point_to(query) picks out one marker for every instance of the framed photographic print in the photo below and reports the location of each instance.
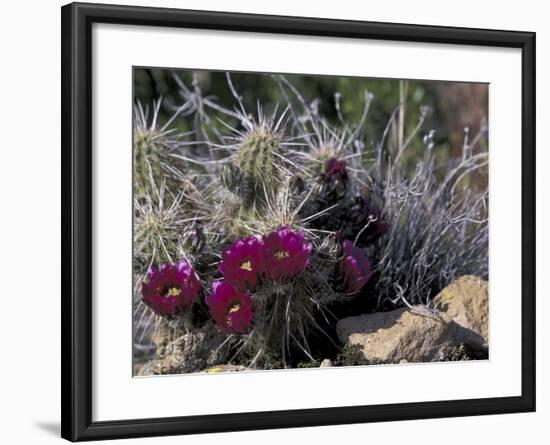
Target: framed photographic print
(290, 221)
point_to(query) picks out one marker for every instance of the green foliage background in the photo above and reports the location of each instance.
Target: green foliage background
(454, 104)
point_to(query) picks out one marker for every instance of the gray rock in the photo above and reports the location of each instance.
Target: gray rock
(190, 352)
(326, 363)
(195, 350)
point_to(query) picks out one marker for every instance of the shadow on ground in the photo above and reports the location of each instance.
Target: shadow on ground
(53, 428)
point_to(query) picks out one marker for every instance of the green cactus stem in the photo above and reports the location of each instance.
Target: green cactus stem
(147, 167)
(254, 170)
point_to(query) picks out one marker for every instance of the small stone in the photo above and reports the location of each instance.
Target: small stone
(224, 368)
(326, 363)
(162, 335)
(152, 367)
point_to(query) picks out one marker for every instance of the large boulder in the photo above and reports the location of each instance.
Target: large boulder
(418, 334)
(389, 337)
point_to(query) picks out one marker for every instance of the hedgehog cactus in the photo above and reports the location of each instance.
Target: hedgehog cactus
(276, 271)
(255, 169)
(147, 169)
(154, 146)
(282, 222)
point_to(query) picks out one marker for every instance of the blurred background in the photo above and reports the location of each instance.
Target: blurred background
(454, 105)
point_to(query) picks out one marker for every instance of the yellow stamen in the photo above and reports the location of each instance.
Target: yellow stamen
(173, 292)
(280, 254)
(234, 308)
(247, 265)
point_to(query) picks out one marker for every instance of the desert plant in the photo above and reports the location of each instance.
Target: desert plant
(284, 214)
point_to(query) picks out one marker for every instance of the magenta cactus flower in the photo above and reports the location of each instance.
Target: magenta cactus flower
(286, 253)
(354, 267)
(230, 308)
(336, 169)
(333, 181)
(170, 289)
(243, 263)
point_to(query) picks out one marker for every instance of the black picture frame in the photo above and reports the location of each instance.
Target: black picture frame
(76, 247)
